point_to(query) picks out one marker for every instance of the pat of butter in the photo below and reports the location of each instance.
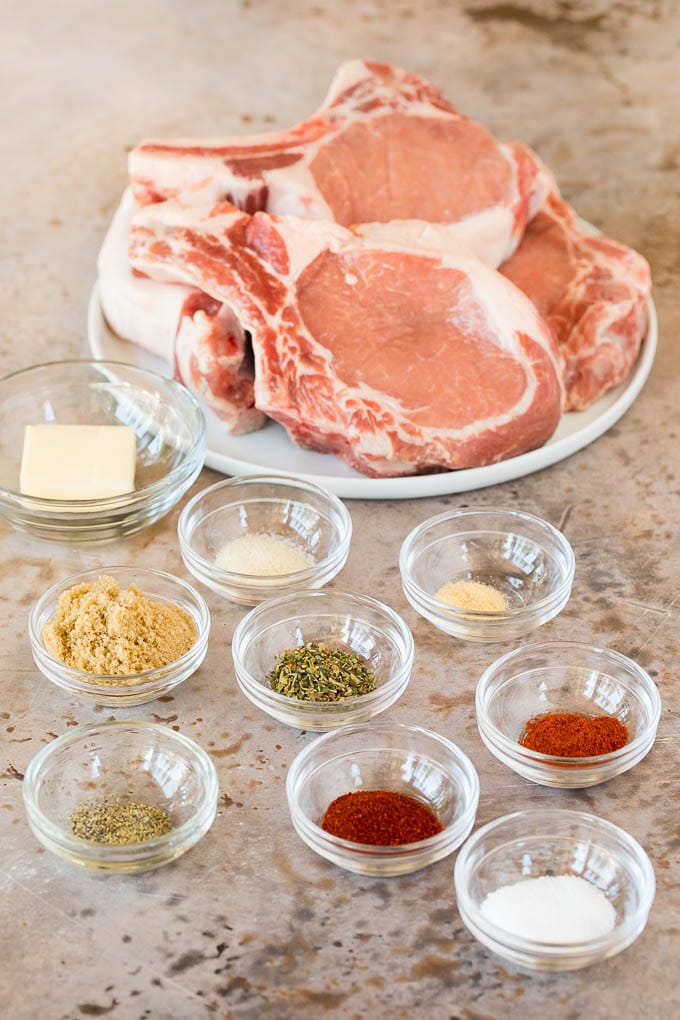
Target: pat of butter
(77, 461)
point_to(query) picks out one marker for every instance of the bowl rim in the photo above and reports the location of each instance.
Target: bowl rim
(66, 840)
(303, 705)
(532, 816)
(516, 750)
(237, 580)
(421, 846)
(124, 501)
(518, 613)
(113, 684)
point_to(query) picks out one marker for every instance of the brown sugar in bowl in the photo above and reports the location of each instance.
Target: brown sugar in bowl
(118, 688)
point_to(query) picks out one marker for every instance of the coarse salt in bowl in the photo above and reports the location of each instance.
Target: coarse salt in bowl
(402, 759)
(353, 623)
(554, 842)
(513, 555)
(137, 688)
(259, 536)
(566, 676)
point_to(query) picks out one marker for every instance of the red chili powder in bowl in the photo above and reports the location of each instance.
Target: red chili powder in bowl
(380, 817)
(570, 735)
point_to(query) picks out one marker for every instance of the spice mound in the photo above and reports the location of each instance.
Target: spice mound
(473, 595)
(102, 630)
(117, 822)
(380, 817)
(314, 672)
(570, 735)
(262, 556)
(552, 908)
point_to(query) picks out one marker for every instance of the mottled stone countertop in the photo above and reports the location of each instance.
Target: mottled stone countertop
(251, 924)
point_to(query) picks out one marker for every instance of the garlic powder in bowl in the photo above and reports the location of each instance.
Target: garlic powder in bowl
(262, 555)
(263, 536)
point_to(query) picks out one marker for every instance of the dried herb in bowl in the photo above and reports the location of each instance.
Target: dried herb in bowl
(314, 672)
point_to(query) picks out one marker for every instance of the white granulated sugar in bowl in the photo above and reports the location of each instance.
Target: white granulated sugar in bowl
(262, 556)
(561, 909)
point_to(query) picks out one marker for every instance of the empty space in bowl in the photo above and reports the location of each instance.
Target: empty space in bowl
(140, 768)
(516, 566)
(306, 528)
(363, 637)
(564, 689)
(382, 768)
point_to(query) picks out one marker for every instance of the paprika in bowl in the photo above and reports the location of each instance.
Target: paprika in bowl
(566, 714)
(413, 785)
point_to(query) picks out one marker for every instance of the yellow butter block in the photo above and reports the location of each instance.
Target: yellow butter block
(77, 461)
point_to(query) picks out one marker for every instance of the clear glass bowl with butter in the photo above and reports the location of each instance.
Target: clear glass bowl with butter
(151, 437)
(129, 688)
(487, 574)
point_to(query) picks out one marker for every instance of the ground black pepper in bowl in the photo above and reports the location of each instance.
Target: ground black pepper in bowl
(117, 822)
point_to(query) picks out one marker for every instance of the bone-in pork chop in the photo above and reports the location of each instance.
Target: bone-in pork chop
(193, 333)
(591, 290)
(385, 145)
(398, 359)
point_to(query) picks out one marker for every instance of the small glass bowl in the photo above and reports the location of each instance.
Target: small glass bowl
(529, 844)
(310, 517)
(168, 423)
(565, 676)
(136, 761)
(383, 756)
(355, 623)
(137, 688)
(528, 560)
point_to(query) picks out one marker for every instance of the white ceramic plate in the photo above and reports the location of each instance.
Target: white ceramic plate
(270, 449)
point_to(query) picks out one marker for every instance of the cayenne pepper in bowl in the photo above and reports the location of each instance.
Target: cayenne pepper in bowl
(380, 818)
(572, 735)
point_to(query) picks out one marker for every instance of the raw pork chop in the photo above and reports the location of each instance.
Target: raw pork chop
(385, 145)
(195, 334)
(395, 358)
(591, 290)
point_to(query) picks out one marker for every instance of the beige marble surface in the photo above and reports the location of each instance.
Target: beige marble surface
(251, 924)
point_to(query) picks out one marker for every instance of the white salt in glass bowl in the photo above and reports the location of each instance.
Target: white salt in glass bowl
(138, 688)
(135, 761)
(383, 756)
(354, 623)
(170, 435)
(523, 557)
(529, 844)
(314, 520)
(565, 676)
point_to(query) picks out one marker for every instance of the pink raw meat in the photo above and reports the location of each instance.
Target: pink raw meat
(591, 290)
(192, 332)
(398, 359)
(384, 146)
